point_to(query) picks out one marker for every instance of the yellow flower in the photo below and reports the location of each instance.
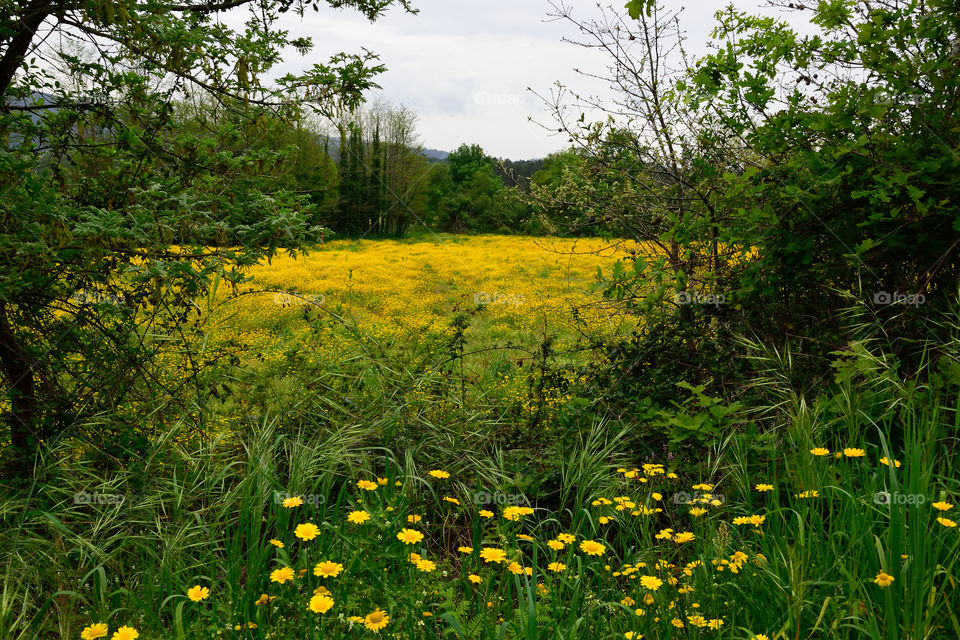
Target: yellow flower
(883, 579)
(648, 599)
(276, 543)
(677, 622)
(409, 536)
(703, 487)
(321, 591)
(628, 601)
(942, 506)
(281, 575)
(426, 566)
(453, 500)
(465, 549)
(327, 569)
(764, 487)
(94, 631)
(485, 513)
(557, 567)
(665, 534)
(556, 545)
(376, 621)
(415, 558)
(198, 593)
(686, 536)
(474, 578)
(946, 522)
(427, 614)
(515, 568)
(437, 473)
(306, 531)
(820, 451)
(715, 624)
(492, 554)
(413, 518)
(367, 485)
(125, 633)
(321, 603)
(355, 619)
(381, 481)
(812, 493)
(592, 548)
(603, 520)
(264, 599)
(761, 636)
(523, 536)
(358, 517)
(566, 538)
(514, 512)
(650, 582)
(697, 511)
(290, 503)
(896, 463)
(854, 453)
(630, 635)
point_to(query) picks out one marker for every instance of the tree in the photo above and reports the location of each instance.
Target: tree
(114, 220)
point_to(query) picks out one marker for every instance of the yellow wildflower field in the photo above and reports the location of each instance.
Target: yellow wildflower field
(410, 289)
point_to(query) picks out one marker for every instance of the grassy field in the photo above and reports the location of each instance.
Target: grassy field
(365, 476)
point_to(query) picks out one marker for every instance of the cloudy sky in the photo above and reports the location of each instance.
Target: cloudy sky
(464, 65)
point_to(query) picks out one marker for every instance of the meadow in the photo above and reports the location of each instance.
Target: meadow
(401, 456)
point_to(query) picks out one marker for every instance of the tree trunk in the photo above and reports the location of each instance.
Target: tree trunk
(19, 43)
(18, 371)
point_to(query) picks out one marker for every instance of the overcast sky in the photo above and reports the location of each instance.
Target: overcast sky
(463, 66)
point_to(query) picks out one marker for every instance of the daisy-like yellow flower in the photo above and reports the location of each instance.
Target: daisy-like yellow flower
(414, 558)
(523, 536)
(514, 512)
(764, 487)
(376, 621)
(592, 548)
(409, 536)
(761, 636)
(942, 506)
(854, 453)
(321, 591)
(557, 567)
(685, 536)
(465, 549)
(358, 517)
(885, 461)
(820, 451)
(665, 534)
(382, 481)
(715, 624)
(198, 593)
(427, 614)
(946, 522)
(697, 511)
(276, 543)
(320, 603)
(703, 487)
(437, 473)
(630, 635)
(281, 575)
(566, 538)
(264, 599)
(492, 554)
(426, 566)
(515, 568)
(306, 531)
(452, 500)
(812, 493)
(414, 518)
(883, 579)
(603, 520)
(290, 503)
(367, 485)
(556, 545)
(327, 569)
(94, 631)
(125, 633)
(474, 578)
(651, 582)
(485, 513)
